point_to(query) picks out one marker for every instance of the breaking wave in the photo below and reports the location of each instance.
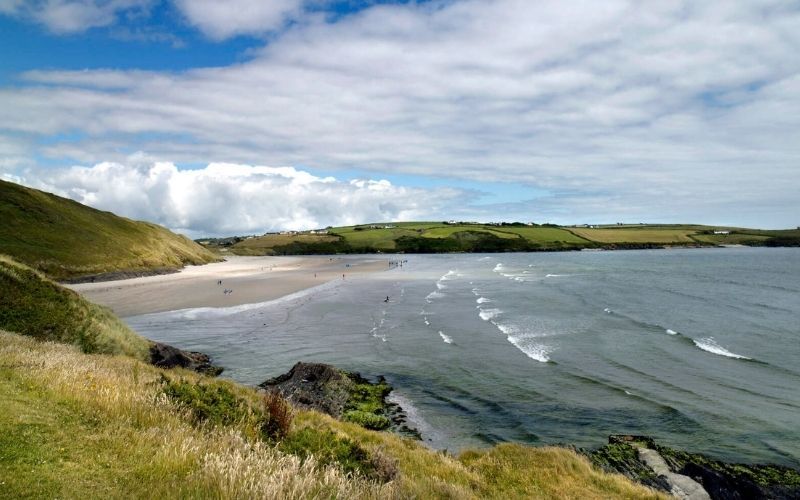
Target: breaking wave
(433, 295)
(446, 338)
(708, 344)
(487, 314)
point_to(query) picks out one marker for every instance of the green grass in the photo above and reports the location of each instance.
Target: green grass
(381, 239)
(33, 305)
(264, 244)
(448, 231)
(636, 235)
(546, 235)
(65, 239)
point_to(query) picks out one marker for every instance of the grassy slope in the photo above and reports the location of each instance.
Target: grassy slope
(74, 425)
(382, 239)
(262, 245)
(367, 239)
(33, 305)
(65, 239)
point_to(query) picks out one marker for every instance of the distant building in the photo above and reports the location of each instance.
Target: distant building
(722, 232)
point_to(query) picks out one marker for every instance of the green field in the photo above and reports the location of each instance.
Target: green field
(264, 244)
(440, 237)
(637, 235)
(65, 239)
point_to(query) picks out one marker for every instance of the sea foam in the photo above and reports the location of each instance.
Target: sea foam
(538, 352)
(487, 314)
(446, 338)
(708, 344)
(433, 295)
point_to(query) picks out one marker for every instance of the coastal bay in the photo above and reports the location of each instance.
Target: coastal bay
(694, 347)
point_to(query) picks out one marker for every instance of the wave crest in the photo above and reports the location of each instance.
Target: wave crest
(708, 344)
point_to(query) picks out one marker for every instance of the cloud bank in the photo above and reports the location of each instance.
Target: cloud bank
(623, 107)
(232, 199)
(73, 16)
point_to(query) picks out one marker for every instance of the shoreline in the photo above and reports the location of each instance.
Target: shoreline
(250, 279)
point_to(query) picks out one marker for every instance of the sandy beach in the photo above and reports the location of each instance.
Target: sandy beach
(251, 279)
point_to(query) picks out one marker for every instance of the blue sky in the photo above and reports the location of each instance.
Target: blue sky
(328, 112)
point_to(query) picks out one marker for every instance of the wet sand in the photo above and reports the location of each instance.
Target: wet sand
(252, 279)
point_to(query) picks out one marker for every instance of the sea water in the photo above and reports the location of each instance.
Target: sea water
(699, 348)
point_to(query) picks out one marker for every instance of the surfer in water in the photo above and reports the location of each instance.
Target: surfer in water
(387, 299)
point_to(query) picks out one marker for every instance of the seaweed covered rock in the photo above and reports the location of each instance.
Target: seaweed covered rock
(314, 386)
(343, 395)
(721, 480)
(167, 356)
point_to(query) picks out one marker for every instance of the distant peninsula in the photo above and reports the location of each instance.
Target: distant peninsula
(474, 237)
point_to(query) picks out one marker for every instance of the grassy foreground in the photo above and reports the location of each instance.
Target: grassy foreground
(76, 425)
(441, 237)
(65, 239)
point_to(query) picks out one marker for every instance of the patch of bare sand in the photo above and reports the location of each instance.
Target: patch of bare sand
(251, 279)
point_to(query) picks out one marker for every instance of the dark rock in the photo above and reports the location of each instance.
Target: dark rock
(722, 481)
(620, 456)
(729, 481)
(166, 356)
(313, 386)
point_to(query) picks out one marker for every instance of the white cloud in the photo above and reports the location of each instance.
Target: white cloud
(647, 105)
(71, 16)
(228, 199)
(223, 19)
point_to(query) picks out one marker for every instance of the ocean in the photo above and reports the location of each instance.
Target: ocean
(699, 348)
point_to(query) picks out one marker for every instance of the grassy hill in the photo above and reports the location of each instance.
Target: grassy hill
(441, 237)
(65, 239)
(33, 305)
(76, 425)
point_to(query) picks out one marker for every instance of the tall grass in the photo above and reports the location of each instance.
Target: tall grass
(126, 438)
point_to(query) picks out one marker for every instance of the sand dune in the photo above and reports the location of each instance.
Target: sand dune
(252, 279)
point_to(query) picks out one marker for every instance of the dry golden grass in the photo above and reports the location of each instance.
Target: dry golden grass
(663, 236)
(116, 435)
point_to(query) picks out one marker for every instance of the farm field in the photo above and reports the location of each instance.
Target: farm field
(443, 237)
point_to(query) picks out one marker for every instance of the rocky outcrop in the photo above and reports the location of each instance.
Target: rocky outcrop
(343, 395)
(680, 486)
(167, 356)
(640, 458)
(314, 386)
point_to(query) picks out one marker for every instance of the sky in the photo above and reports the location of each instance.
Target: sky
(247, 116)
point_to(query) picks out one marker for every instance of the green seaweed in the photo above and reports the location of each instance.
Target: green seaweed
(366, 404)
